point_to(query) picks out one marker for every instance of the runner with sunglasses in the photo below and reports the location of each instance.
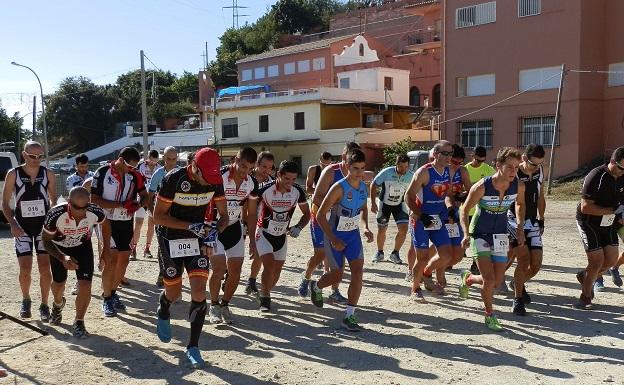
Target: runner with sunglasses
(598, 216)
(67, 238)
(34, 187)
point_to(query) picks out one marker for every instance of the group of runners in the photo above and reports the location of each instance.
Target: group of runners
(209, 217)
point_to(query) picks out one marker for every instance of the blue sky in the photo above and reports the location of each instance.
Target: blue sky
(101, 39)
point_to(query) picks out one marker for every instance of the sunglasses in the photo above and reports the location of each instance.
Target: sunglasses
(539, 164)
(129, 165)
(79, 207)
(618, 166)
(445, 153)
(34, 156)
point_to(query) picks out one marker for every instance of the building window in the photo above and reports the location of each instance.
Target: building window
(318, 64)
(475, 133)
(476, 85)
(259, 73)
(263, 123)
(289, 68)
(361, 49)
(538, 130)
(303, 66)
(229, 128)
(272, 71)
(435, 94)
(616, 74)
(539, 79)
(461, 87)
(388, 83)
(345, 83)
(475, 15)
(529, 7)
(246, 75)
(414, 96)
(299, 121)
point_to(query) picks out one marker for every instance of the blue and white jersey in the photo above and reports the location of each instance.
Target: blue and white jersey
(157, 178)
(345, 215)
(491, 214)
(76, 180)
(393, 185)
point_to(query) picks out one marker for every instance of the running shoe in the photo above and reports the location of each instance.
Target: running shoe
(518, 307)
(379, 256)
(526, 298)
(418, 296)
(226, 315)
(117, 302)
(147, 254)
(57, 313)
(25, 309)
(580, 276)
(316, 296)
(44, 312)
(409, 277)
(125, 282)
(599, 284)
(214, 314)
(159, 281)
(584, 303)
(304, 285)
(336, 297)
(464, 289)
(133, 254)
(75, 289)
(350, 324)
(395, 258)
(163, 328)
(429, 283)
(502, 289)
(265, 304)
(492, 323)
(194, 356)
(251, 287)
(108, 308)
(79, 330)
(615, 276)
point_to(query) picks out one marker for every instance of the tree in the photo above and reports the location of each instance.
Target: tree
(186, 87)
(9, 126)
(401, 147)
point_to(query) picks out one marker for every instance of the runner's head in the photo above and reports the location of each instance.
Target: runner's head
(459, 155)
(507, 162)
(442, 152)
(325, 159)
(347, 148)
(478, 156)
(33, 153)
(79, 200)
(287, 173)
(533, 155)
(152, 157)
(206, 166)
(129, 158)
(82, 164)
(265, 164)
(616, 164)
(356, 162)
(245, 160)
(402, 164)
(170, 156)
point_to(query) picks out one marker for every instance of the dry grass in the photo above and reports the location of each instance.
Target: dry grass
(567, 191)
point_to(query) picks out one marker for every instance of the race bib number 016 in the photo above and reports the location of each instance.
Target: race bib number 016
(501, 244)
(277, 228)
(179, 248)
(348, 224)
(31, 209)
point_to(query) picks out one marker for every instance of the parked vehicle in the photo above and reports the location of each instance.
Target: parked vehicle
(7, 162)
(418, 158)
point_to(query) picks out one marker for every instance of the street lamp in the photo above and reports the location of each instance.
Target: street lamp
(45, 127)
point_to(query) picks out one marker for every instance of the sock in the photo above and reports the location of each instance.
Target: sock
(58, 305)
(252, 281)
(380, 251)
(316, 288)
(395, 251)
(113, 293)
(197, 316)
(489, 314)
(224, 302)
(350, 310)
(163, 309)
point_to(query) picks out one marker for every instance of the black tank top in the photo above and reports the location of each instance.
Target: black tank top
(317, 175)
(30, 199)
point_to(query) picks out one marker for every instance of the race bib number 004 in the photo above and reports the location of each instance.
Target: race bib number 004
(277, 228)
(348, 224)
(31, 209)
(501, 244)
(179, 248)
(436, 223)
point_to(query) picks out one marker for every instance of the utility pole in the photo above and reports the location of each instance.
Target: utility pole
(34, 115)
(144, 108)
(235, 15)
(551, 163)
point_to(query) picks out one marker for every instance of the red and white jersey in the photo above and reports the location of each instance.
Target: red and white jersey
(146, 171)
(236, 198)
(276, 208)
(66, 230)
(109, 185)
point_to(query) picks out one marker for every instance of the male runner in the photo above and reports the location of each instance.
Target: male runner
(314, 172)
(34, 187)
(82, 172)
(346, 203)
(147, 169)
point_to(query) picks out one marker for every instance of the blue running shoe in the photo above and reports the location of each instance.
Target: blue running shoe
(304, 285)
(615, 276)
(109, 308)
(163, 329)
(117, 302)
(194, 357)
(336, 297)
(599, 284)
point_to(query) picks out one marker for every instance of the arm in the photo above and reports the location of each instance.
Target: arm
(224, 219)
(520, 211)
(367, 233)
(373, 197)
(420, 179)
(322, 186)
(162, 217)
(105, 203)
(250, 215)
(9, 214)
(333, 197)
(476, 193)
(305, 218)
(588, 207)
(51, 187)
(310, 180)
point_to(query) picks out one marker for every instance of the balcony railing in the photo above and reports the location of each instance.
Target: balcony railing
(423, 37)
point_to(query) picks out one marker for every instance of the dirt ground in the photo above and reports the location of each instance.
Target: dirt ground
(444, 341)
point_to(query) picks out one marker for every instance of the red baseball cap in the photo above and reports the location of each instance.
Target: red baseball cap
(209, 164)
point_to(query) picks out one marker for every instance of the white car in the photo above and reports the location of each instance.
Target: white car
(7, 162)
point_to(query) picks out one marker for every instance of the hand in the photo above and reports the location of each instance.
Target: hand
(70, 264)
(540, 223)
(453, 214)
(619, 210)
(426, 219)
(461, 197)
(369, 236)
(465, 242)
(210, 239)
(374, 207)
(208, 251)
(294, 231)
(131, 206)
(17, 231)
(520, 235)
(200, 229)
(253, 249)
(338, 244)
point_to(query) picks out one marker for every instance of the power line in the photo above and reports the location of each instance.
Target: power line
(149, 60)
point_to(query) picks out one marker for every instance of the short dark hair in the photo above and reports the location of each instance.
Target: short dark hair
(507, 152)
(534, 150)
(288, 166)
(403, 158)
(130, 154)
(247, 154)
(480, 151)
(154, 154)
(81, 159)
(458, 152)
(355, 156)
(618, 154)
(268, 155)
(350, 146)
(326, 155)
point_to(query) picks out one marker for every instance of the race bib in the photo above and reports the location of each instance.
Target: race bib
(453, 230)
(395, 193)
(501, 244)
(436, 223)
(277, 228)
(120, 214)
(188, 247)
(348, 224)
(234, 211)
(607, 220)
(31, 209)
